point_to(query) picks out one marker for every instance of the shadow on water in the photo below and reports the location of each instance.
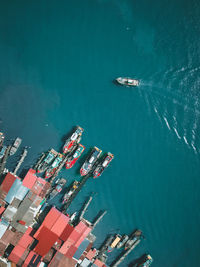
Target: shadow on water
(137, 261)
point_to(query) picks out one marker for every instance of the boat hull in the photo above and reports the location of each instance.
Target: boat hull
(127, 81)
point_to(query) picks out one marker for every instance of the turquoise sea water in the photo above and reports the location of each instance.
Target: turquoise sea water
(58, 60)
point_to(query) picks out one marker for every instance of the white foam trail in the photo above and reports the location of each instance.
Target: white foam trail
(167, 123)
(176, 132)
(185, 140)
(194, 148)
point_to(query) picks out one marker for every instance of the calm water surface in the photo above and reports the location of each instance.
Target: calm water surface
(58, 60)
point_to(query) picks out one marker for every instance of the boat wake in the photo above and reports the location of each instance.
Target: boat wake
(179, 113)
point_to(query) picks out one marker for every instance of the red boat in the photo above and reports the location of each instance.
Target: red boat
(72, 140)
(103, 165)
(76, 155)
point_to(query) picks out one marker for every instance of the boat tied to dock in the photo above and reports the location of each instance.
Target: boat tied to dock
(47, 160)
(102, 165)
(127, 81)
(75, 156)
(137, 235)
(146, 262)
(2, 151)
(90, 161)
(74, 139)
(15, 146)
(2, 137)
(72, 189)
(52, 169)
(123, 240)
(57, 188)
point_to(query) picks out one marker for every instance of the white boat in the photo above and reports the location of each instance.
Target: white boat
(127, 81)
(15, 146)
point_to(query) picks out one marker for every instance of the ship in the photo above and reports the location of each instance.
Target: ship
(127, 81)
(114, 242)
(74, 139)
(15, 146)
(57, 188)
(47, 160)
(2, 152)
(146, 262)
(1, 138)
(90, 161)
(122, 241)
(103, 165)
(72, 189)
(75, 156)
(137, 235)
(52, 169)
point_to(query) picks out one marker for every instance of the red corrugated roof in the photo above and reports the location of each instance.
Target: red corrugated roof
(71, 251)
(91, 253)
(8, 182)
(25, 241)
(80, 227)
(42, 181)
(29, 258)
(29, 179)
(37, 187)
(46, 240)
(65, 247)
(66, 233)
(49, 220)
(60, 224)
(1, 210)
(75, 238)
(16, 254)
(99, 263)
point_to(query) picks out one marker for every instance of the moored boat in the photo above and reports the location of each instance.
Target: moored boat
(114, 242)
(1, 138)
(47, 160)
(57, 188)
(2, 152)
(103, 165)
(75, 156)
(90, 161)
(137, 235)
(146, 262)
(127, 81)
(72, 189)
(74, 139)
(15, 146)
(52, 169)
(123, 241)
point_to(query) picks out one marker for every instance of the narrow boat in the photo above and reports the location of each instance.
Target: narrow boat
(90, 161)
(57, 188)
(52, 169)
(127, 81)
(15, 146)
(75, 138)
(72, 189)
(75, 156)
(146, 262)
(123, 241)
(137, 235)
(1, 138)
(47, 160)
(103, 165)
(2, 152)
